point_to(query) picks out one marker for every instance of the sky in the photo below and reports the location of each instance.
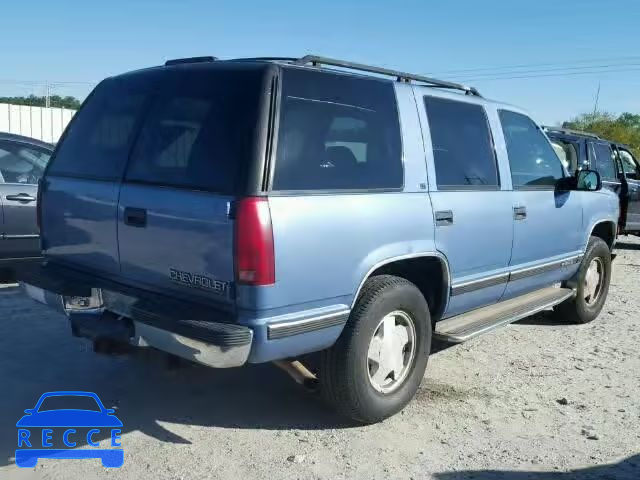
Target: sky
(569, 46)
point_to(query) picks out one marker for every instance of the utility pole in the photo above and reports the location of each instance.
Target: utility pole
(47, 96)
(595, 106)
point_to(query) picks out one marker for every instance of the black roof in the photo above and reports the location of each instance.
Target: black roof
(12, 137)
(570, 133)
(339, 66)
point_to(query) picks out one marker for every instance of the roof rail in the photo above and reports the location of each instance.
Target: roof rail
(178, 61)
(400, 76)
(571, 132)
(264, 59)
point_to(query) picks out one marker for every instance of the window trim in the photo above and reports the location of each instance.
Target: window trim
(272, 155)
(190, 188)
(492, 145)
(93, 178)
(547, 188)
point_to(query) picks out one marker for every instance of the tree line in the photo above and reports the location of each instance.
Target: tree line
(624, 128)
(37, 101)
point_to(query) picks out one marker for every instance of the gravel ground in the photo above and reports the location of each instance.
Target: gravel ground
(535, 400)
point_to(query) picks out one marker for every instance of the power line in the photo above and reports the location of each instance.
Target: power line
(530, 65)
(559, 74)
(544, 70)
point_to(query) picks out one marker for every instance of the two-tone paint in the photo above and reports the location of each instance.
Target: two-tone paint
(327, 244)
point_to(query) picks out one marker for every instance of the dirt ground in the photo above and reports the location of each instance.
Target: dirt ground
(538, 399)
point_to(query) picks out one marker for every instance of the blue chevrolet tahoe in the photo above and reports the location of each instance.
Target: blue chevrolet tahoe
(254, 210)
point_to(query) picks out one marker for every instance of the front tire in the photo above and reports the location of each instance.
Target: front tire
(593, 279)
(377, 364)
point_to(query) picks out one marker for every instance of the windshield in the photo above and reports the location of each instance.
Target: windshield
(69, 402)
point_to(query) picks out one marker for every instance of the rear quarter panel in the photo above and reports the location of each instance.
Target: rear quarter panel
(79, 222)
(600, 206)
(325, 244)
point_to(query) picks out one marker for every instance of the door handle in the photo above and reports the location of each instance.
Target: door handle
(135, 217)
(21, 197)
(444, 218)
(519, 213)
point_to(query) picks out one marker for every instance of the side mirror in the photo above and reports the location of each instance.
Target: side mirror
(29, 411)
(588, 180)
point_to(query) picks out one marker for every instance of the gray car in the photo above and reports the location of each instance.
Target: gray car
(22, 162)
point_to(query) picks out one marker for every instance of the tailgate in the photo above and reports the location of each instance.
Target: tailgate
(191, 158)
(183, 244)
(148, 170)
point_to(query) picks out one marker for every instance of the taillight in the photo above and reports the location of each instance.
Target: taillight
(254, 257)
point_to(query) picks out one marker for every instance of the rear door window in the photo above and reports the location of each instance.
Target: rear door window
(199, 132)
(604, 161)
(98, 140)
(533, 162)
(463, 150)
(337, 132)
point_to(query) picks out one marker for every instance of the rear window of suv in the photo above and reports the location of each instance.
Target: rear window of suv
(98, 139)
(192, 127)
(199, 132)
(337, 132)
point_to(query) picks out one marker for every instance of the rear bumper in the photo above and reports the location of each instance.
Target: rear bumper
(226, 339)
(217, 345)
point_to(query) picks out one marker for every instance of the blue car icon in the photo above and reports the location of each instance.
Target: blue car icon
(100, 418)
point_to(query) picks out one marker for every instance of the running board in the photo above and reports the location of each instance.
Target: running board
(476, 322)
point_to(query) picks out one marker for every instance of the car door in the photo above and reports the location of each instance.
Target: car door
(21, 166)
(181, 181)
(602, 159)
(470, 201)
(79, 194)
(547, 229)
(631, 169)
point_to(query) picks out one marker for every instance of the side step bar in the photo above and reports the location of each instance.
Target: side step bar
(476, 322)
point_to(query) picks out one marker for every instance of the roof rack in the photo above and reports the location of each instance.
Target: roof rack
(569, 131)
(179, 61)
(264, 59)
(400, 76)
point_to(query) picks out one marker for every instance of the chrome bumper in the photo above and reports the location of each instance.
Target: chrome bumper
(231, 349)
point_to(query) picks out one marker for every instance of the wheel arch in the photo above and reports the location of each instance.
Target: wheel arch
(421, 269)
(604, 229)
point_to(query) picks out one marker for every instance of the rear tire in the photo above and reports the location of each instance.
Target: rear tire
(593, 279)
(371, 373)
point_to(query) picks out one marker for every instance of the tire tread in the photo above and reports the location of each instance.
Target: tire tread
(334, 363)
